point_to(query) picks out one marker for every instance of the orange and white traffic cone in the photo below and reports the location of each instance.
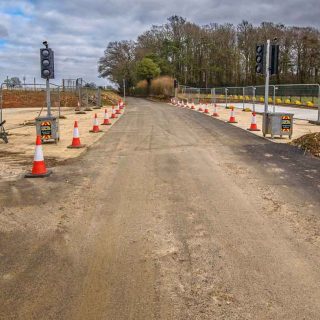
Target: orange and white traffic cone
(192, 107)
(95, 128)
(113, 114)
(39, 169)
(232, 118)
(106, 121)
(206, 110)
(253, 126)
(200, 109)
(215, 113)
(76, 144)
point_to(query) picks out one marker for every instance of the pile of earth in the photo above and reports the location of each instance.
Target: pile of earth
(309, 142)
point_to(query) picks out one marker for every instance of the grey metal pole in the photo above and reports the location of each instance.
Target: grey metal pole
(266, 92)
(243, 98)
(48, 98)
(87, 101)
(274, 99)
(226, 93)
(1, 102)
(318, 104)
(124, 90)
(254, 99)
(99, 98)
(59, 101)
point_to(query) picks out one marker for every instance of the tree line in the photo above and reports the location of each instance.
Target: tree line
(212, 55)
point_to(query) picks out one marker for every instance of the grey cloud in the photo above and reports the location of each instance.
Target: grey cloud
(3, 32)
(79, 30)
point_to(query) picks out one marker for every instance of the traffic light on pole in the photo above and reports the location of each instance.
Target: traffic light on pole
(47, 63)
(260, 58)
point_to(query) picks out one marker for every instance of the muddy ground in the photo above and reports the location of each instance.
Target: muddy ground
(171, 215)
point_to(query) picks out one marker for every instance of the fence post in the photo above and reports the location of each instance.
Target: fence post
(274, 99)
(59, 103)
(243, 98)
(226, 94)
(318, 104)
(253, 99)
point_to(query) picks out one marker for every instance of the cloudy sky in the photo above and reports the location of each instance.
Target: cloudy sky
(79, 30)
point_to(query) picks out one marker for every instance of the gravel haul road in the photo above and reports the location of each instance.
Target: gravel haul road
(170, 215)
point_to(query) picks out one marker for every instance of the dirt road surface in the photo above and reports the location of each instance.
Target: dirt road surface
(170, 215)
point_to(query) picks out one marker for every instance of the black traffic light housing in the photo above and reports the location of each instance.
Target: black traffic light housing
(260, 59)
(274, 59)
(47, 62)
(175, 83)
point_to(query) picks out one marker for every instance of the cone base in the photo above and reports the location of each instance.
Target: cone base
(42, 175)
(76, 147)
(106, 124)
(96, 108)
(215, 115)
(80, 112)
(232, 121)
(253, 129)
(206, 111)
(95, 131)
(87, 109)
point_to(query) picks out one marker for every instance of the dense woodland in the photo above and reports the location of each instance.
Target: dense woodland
(212, 55)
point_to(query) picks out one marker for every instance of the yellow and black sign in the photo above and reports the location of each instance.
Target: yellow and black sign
(46, 130)
(286, 123)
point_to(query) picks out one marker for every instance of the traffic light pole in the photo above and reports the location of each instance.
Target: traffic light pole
(266, 92)
(48, 98)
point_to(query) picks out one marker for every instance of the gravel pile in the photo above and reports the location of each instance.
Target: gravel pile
(309, 142)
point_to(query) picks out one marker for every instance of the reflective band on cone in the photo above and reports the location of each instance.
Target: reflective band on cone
(39, 169)
(232, 117)
(76, 143)
(113, 114)
(95, 128)
(253, 126)
(106, 120)
(215, 113)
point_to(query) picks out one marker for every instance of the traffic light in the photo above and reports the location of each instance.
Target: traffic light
(47, 63)
(274, 61)
(175, 83)
(260, 58)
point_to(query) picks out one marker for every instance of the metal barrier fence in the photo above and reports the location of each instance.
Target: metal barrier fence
(284, 95)
(73, 93)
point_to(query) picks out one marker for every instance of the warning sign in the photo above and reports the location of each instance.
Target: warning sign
(46, 130)
(286, 123)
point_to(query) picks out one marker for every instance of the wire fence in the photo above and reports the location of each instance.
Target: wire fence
(73, 93)
(285, 95)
